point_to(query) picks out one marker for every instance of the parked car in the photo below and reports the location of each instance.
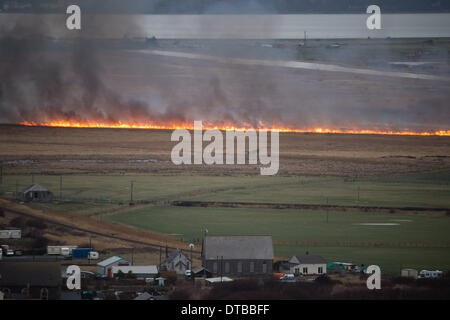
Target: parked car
(288, 277)
(18, 253)
(9, 252)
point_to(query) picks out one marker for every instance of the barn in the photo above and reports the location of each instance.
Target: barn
(35, 192)
(104, 268)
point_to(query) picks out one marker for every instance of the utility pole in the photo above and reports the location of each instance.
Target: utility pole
(131, 192)
(60, 187)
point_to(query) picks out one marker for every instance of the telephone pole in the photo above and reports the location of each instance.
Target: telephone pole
(60, 187)
(131, 192)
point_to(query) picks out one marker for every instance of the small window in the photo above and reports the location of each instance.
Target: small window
(227, 267)
(215, 267)
(264, 267)
(320, 270)
(305, 270)
(239, 267)
(252, 267)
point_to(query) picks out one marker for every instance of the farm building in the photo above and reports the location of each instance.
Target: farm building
(410, 273)
(35, 192)
(10, 234)
(240, 255)
(30, 280)
(201, 272)
(140, 272)
(176, 261)
(104, 267)
(308, 264)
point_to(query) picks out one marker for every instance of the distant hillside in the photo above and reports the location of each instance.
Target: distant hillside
(225, 6)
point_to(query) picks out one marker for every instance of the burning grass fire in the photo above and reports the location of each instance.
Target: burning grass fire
(207, 126)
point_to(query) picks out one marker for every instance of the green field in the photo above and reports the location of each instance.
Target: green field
(108, 195)
(294, 225)
(427, 191)
(90, 194)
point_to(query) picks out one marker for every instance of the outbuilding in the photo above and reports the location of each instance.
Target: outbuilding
(10, 234)
(410, 273)
(35, 192)
(140, 272)
(104, 268)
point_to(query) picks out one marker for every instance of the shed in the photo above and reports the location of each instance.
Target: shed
(104, 267)
(201, 272)
(240, 255)
(35, 192)
(410, 273)
(141, 272)
(10, 234)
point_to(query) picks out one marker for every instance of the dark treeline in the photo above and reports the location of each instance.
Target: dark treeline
(224, 6)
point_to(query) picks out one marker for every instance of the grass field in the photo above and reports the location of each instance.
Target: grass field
(426, 190)
(292, 225)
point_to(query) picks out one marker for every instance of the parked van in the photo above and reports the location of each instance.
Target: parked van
(430, 274)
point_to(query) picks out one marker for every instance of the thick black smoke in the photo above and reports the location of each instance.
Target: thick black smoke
(45, 77)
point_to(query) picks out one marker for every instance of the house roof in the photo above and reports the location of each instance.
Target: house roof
(136, 269)
(109, 261)
(218, 279)
(144, 296)
(238, 247)
(310, 259)
(46, 274)
(35, 188)
(172, 256)
(200, 269)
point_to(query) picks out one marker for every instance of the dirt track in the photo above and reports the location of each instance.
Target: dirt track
(102, 229)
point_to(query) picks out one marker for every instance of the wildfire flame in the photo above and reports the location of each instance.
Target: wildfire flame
(209, 126)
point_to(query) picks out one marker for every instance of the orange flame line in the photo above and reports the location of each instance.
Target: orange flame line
(207, 126)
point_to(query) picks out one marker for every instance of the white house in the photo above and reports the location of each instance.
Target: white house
(176, 261)
(104, 267)
(308, 265)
